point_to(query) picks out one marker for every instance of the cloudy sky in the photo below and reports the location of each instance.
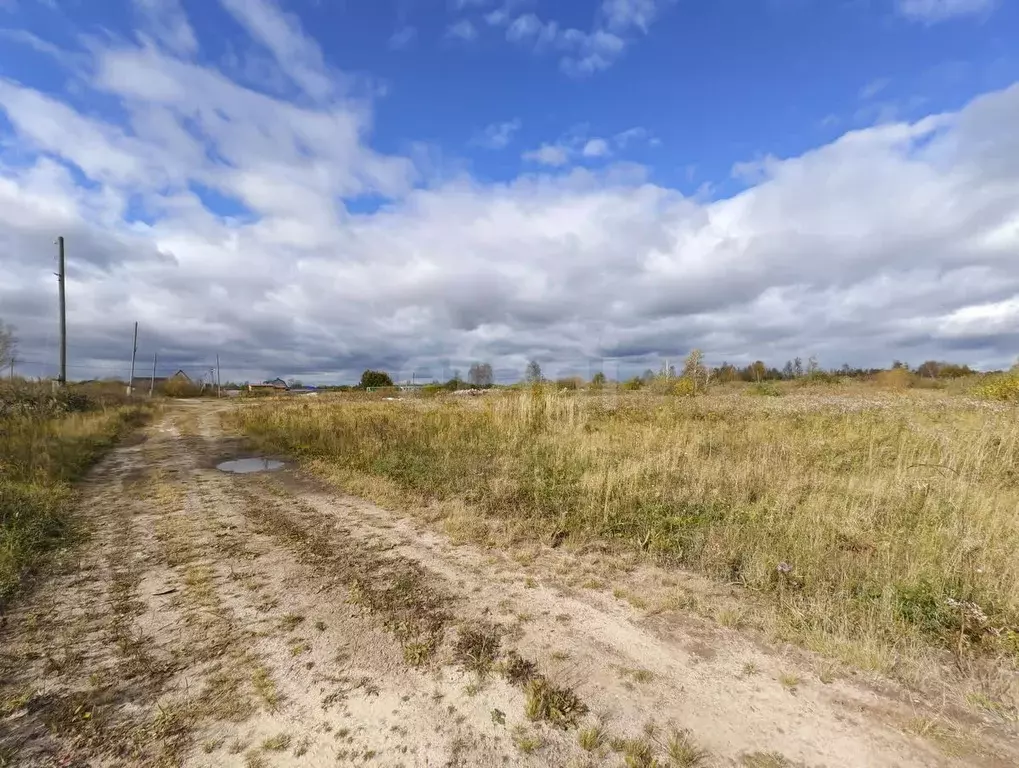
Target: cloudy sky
(311, 187)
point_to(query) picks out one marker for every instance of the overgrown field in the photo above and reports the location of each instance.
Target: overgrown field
(872, 523)
(47, 441)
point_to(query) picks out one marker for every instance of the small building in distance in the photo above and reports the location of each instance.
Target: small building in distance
(142, 383)
(277, 385)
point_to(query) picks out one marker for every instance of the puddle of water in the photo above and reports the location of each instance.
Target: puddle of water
(244, 466)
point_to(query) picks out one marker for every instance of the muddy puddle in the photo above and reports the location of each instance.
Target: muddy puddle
(246, 466)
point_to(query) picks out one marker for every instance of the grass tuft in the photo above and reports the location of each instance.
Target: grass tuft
(591, 738)
(277, 743)
(526, 741)
(476, 648)
(517, 670)
(639, 753)
(266, 689)
(683, 753)
(559, 706)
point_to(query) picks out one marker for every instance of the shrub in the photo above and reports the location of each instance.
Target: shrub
(765, 389)
(178, 386)
(41, 400)
(895, 378)
(1003, 386)
(818, 379)
(685, 387)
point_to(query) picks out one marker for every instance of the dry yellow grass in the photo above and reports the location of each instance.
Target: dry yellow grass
(875, 522)
(42, 451)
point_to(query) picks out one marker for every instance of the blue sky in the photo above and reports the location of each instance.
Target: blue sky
(715, 82)
(451, 180)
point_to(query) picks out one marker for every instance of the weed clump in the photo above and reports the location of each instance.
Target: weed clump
(683, 753)
(518, 671)
(476, 648)
(559, 706)
(591, 738)
(1003, 387)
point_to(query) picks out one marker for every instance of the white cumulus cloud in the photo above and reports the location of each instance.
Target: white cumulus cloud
(581, 52)
(549, 154)
(596, 148)
(226, 220)
(932, 11)
(463, 30)
(402, 37)
(498, 135)
(621, 15)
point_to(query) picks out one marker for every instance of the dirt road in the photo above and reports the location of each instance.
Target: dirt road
(263, 619)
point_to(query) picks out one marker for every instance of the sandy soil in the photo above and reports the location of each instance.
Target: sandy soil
(265, 620)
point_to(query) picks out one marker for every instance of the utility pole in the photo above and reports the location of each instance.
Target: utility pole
(61, 279)
(219, 391)
(152, 380)
(12, 367)
(134, 354)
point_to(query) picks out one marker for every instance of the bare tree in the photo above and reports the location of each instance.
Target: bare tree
(480, 375)
(8, 344)
(532, 373)
(695, 370)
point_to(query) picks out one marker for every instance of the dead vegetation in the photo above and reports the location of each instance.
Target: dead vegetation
(556, 705)
(873, 526)
(47, 441)
(395, 590)
(244, 622)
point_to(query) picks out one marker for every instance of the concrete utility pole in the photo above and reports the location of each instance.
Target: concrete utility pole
(219, 388)
(61, 280)
(134, 354)
(152, 380)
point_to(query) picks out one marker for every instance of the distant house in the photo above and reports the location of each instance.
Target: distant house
(274, 384)
(142, 383)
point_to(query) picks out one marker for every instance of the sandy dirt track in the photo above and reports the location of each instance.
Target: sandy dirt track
(267, 620)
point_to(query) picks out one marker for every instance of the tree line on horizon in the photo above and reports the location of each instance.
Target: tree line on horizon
(480, 375)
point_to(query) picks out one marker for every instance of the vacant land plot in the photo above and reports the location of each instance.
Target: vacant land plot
(527, 595)
(879, 528)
